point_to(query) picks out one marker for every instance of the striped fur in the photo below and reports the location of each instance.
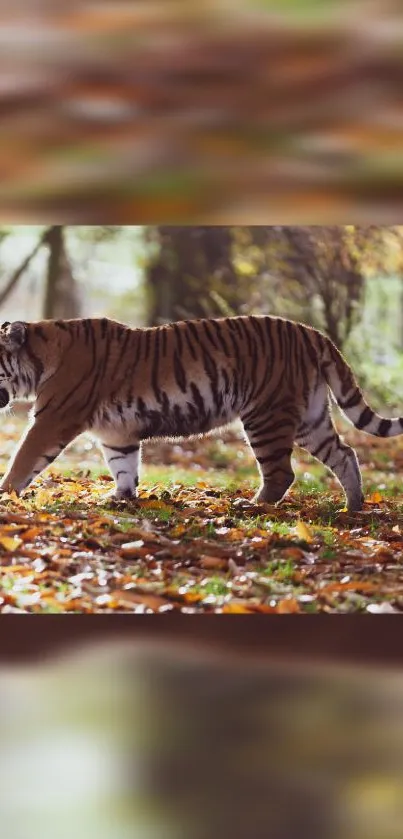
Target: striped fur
(127, 385)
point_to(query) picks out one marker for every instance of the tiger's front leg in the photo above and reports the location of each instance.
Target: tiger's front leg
(38, 448)
(123, 459)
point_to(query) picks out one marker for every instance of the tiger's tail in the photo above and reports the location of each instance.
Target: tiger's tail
(349, 397)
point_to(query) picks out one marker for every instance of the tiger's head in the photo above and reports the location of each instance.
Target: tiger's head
(15, 374)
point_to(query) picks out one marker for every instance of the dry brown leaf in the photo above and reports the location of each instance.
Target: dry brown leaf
(132, 598)
(29, 553)
(133, 550)
(383, 555)
(353, 585)
(213, 562)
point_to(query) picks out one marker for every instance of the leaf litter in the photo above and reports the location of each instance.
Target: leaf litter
(195, 541)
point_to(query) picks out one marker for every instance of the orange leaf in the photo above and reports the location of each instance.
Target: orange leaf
(29, 534)
(14, 569)
(186, 597)
(179, 530)
(292, 553)
(288, 606)
(350, 586)
(375, 498)
(236, 609)
(234, 535)
(264, 608)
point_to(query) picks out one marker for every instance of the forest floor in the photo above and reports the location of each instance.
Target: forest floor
(194, 541)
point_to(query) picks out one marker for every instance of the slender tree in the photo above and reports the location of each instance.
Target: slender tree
(62, 298)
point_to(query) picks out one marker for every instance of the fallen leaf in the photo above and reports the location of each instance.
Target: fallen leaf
(381, 608)
(14, 569)
(264, 608)
(131, 598)
(375, 498)
(288, 606)
(234, 534)
(31, 533)
(157, 505)
(236, 609)
(41, 498)
(303, 531)
(10, 543)
(178, 530)
(135, 549)
(292, 553)
(356, 585)
(213, 562)
(383, 555)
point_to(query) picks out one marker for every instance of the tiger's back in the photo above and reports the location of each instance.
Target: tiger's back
(127, 385)
(186, 378)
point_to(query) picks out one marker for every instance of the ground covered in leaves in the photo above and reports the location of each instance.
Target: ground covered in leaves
(195, 541)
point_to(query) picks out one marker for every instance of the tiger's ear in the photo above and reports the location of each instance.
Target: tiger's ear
(15, 335)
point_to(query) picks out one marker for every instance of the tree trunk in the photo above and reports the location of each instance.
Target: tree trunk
(192, 275)
(62, 297)
(401, 315)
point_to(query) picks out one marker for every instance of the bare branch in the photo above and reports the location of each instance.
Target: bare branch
(4, 294)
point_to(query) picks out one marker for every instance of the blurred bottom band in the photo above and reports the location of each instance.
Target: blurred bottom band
(192, 732)
(347, 639)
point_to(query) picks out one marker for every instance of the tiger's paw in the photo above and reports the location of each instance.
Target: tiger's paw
(274, 492)
(7, 485)
(122, 495)
(355, 505)
(269, 495)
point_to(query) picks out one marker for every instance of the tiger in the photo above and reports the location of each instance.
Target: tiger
(126, 385)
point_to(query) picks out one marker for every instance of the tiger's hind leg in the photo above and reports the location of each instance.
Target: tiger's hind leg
(322, 441)
(271, 438)
(123, 459)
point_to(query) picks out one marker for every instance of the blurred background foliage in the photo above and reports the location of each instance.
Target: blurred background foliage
(219, 112)
(345, 280)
